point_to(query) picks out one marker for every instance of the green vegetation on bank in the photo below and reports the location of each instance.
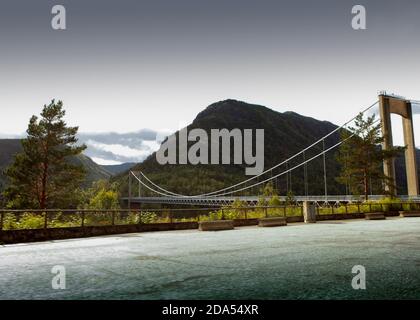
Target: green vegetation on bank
(238, 210)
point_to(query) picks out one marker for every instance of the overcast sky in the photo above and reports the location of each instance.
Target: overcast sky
(128, 65)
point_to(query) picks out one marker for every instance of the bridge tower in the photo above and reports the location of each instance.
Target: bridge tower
(391, 104)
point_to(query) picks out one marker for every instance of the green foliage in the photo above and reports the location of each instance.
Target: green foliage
(41, 176)
(137, 218)
(31, 221)
(361, 158)
(262, 201)
(290, 198)
(104, 200)
(63, 220)
(101, 196)
(9, 222)
(234, 211)
(26, 220)
(274, 201)
(268, 190)
(148, 217)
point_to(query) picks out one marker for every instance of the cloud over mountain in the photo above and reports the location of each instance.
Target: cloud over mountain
(109, 148)
(116, 148)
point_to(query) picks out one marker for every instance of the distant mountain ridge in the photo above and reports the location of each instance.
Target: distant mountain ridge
(118, 168)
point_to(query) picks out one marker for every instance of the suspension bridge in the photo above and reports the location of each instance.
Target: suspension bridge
(387, 104)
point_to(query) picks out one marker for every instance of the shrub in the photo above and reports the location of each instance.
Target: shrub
(9, 222)
(31, 221)
(147, 217)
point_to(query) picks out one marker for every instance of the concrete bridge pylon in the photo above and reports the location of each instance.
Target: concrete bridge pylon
(388, 105)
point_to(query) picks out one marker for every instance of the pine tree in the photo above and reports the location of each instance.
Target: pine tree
(361, 157)
(41, 176)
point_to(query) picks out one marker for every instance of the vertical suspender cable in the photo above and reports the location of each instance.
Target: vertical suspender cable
(347, 179)
(129, 190)
(271, 181)
(325, 170)
(305, 174)
(290, 182)
(139, 186)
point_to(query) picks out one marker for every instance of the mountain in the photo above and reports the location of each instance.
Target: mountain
(95, 172)
(285, 134)
(118, 168)
(9, 147)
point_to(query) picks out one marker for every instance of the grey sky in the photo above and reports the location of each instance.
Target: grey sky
(127, 65)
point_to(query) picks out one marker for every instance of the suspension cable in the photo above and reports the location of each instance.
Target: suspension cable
(268, 170)
(260, 182)
(289, 170)
(151, 189)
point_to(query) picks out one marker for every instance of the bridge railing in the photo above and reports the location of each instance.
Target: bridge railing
(56, 218)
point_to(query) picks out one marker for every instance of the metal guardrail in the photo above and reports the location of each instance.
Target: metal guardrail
(56, 218)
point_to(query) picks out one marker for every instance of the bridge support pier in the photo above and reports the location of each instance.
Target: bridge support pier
(388, 105)
(309, 212)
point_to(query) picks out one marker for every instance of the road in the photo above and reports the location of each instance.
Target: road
(294, 262)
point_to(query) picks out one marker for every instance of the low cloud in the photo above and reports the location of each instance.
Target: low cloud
(111, 148)
(11, 136)
(116, 148)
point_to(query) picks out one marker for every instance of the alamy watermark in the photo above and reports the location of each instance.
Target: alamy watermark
(58, 22)
(58, 282)
(216, 150)
(358, 21)
(359, 280)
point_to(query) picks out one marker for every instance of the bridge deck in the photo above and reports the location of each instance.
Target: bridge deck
(253, 200)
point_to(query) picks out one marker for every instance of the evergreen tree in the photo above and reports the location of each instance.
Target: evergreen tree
(41, 176)
(361, 158)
